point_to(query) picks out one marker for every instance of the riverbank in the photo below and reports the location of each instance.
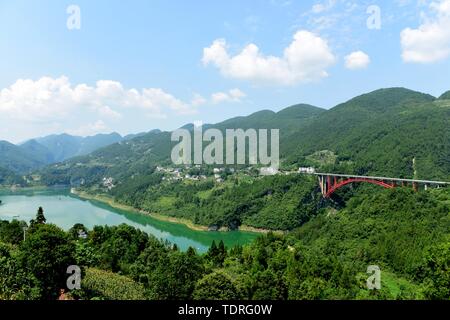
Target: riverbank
(189, 224)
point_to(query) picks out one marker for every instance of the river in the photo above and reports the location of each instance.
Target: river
(64, 209)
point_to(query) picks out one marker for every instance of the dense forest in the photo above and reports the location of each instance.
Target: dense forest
(275, 202)
(406, 234)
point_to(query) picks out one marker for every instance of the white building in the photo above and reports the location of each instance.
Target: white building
(307, 170)
(268, 171)
(108, 183)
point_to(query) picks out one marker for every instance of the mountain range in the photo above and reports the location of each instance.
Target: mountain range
(36, 153)
(380, 132)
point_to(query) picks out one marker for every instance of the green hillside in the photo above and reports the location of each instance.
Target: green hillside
(18, 160)
(275, 202)
(38, 151)
(140, 155)
(380, 133)
(376, 133)
(8, 178)
(66, 146)
(445, 96)
(404, 234)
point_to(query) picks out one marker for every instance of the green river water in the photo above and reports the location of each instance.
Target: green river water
(64, 209)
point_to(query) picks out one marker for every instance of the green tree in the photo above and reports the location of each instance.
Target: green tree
(40, 218)
(435, 272)
(216, 286)
(15, 282)
(217, 254)
(76, 230)
(168, 274)
(12, 232)
(222, 253)
(46, 254)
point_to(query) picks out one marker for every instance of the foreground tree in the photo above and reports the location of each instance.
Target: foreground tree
(12, 232)
(40, 218)
(46, 254)
(435, 272)
(15, 282)
(216, 286)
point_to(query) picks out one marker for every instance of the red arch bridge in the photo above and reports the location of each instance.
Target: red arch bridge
(330, 182)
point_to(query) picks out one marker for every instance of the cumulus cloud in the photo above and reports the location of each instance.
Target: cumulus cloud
(430, 42)
(49, 99)
(233, 95)
(357, 60)
(304, 60)
(31, 108)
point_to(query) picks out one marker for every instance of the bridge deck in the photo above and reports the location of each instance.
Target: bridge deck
(383, 178)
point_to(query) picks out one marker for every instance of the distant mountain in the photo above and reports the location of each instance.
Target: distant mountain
(38, 151)
(90, 144)
(14, 158)
(65, 146)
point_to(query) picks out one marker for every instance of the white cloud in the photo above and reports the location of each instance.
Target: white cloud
(237, 94)
(430, 42)
(233, 95)
(219, 97)
(198, 100)
(49, 99)
(357, 60)
(32, 108)
(304, 60)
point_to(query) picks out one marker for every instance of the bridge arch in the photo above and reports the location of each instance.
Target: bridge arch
(342, 183)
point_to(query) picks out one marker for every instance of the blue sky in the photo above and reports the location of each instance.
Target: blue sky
(138, 65)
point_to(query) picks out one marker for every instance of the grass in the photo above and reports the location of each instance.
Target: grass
(395, 284)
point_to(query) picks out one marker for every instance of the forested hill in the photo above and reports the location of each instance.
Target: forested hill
(445, 96)
(376, 133)
(15, 159)
(140, 155)
(380, 133)
(21, 159)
